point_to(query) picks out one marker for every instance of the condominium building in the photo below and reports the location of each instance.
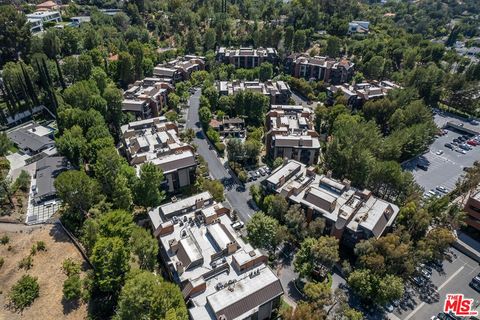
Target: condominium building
(290, 134)
(360, 93)
(38, 18)
(229, 127)
(334, 71)
(472, 209)
(220, 275)
(350, 214)
(277, 91)
(155, 140)
(146, 98)
(179, 69)
(246, 57)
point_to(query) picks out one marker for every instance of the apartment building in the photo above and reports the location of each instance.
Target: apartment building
(229, 127)
(334, 71)
(146, 98)
(155, 140)
(246, 57)
(278, 91)
(179, 69)
(221, 276)
(351, 214)
(472, 209)
(38, 18)
(358, 94)
(290, 134)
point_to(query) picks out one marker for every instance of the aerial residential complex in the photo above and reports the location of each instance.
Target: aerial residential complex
(179, 69)
(290, 134)
(359, 93)
(350, 214)
(246, 57)
(155, 140)
(229, 127)
(334, 71)
(146, 98)
(278, 91)
(221, 276)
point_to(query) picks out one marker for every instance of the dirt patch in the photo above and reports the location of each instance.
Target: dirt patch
(19, 210)
(46, 267)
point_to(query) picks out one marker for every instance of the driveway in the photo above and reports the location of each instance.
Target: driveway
(238, 196)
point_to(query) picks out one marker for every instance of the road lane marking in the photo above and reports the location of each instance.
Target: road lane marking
(450, 278)
(439, 288)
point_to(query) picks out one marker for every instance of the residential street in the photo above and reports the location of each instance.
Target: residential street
(237, 196)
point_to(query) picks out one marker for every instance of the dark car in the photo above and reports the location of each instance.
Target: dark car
(422, 166)
(456, 140)
(449, 146)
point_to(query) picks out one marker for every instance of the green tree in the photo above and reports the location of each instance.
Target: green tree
(122, 196)
(314, 253)
(147, 296)
(209, 39)
(51, 44)
(215, 188)
(14, 34)
(114, 99)
(148, 190)
(78, 193)
(205, 115)
(264, 231)
(266, 71)
(100, 77)
(125, 69)
(145, 248)
(116, 223)
(5, 144)
(277, 207)
(108, 167)
(277, 162)
(299, 40)
(72, 287)
(333, 47)
(72, 144)
(85, 66)
(24, 292)
(23, 181)
(110, 259)
(288, 42)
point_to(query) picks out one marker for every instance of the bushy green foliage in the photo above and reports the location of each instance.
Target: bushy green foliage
(24, 292)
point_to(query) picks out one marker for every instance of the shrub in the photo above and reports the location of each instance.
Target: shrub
(220, 147)
(23, 181)
(243, 176)
(26, 263)
(41, 246)
(4, 239)
(33, 250)
(72, 287)
(24, 292)
(70, 267)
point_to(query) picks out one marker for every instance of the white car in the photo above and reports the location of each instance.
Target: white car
(442, 189)
(439, 152)
(237, 225)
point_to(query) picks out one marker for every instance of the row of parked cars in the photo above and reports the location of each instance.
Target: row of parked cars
(438, 192)
(462, 144)
(260, 172)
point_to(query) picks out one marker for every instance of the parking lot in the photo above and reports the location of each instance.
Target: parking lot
(444, 166)
(428, 300)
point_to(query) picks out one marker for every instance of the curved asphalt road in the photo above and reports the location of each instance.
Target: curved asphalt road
(234, 191)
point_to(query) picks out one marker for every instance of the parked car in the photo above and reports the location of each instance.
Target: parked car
(439, 152)
(461, 151)
(422, 166)
(472, 142)
(442, 189)
(465, 147)
(262, 171)
(456, 140)
(237, 225)
(449, 146)
(419, 281)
